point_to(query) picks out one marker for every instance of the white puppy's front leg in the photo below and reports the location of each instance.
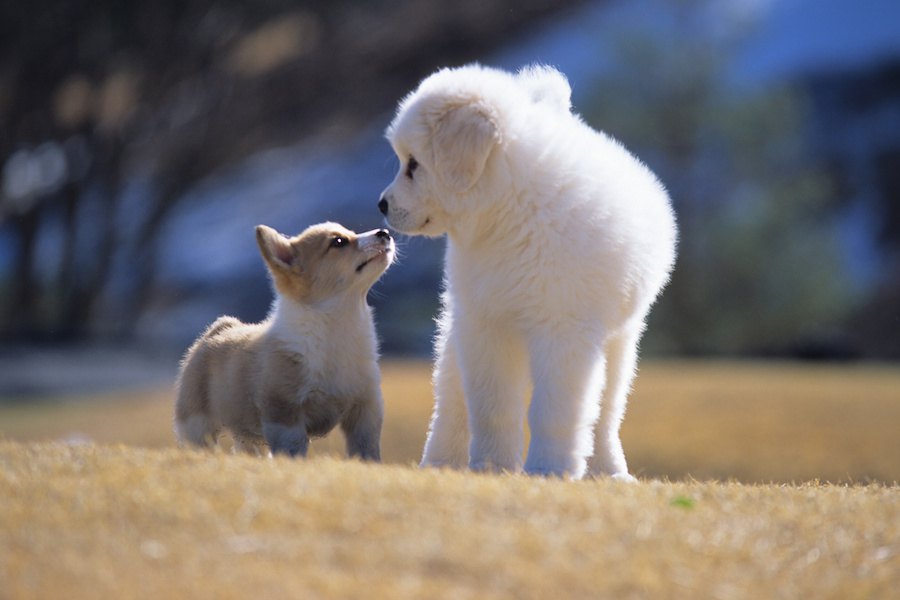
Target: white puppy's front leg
(568, 373)
(494, 376)
(447, 444)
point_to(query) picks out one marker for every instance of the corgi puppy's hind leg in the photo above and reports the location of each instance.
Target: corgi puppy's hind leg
(193, 422)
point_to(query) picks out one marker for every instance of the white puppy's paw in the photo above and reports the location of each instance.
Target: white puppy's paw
(548, 461)
(496, 467)
(559, 469)
(442, 464)
(548, 473)
(624, 478)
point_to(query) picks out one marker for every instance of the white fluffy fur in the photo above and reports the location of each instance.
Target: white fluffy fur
(559, 241)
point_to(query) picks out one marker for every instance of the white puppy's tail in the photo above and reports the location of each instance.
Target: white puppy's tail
(546, 85)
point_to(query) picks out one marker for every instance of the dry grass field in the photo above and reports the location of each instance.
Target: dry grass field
(750, 422)
(116, 511)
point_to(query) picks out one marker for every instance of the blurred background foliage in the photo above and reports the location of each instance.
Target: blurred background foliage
(760, 267)
(141, 141)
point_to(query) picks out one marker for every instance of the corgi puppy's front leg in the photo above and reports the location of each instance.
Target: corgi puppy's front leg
(284, 427)
(286, 439)
(362, 428)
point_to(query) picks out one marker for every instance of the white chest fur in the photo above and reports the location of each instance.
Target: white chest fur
(337, 344)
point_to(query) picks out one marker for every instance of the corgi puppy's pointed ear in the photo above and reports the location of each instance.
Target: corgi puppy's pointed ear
(275, 248)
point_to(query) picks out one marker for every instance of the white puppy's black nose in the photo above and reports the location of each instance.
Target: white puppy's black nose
(383, 206)
(382, 234)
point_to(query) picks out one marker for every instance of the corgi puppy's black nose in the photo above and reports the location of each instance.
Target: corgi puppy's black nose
(383, 205)
(383, 234)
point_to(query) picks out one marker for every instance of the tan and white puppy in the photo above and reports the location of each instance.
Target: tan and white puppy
(559, 241)
(311, 365)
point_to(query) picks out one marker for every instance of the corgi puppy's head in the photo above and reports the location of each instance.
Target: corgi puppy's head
(324, 261)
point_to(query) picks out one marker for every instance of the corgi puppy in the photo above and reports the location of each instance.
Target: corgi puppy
(310, 365)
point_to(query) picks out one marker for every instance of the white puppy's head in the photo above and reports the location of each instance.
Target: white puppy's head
(447, 135)
(443, 135)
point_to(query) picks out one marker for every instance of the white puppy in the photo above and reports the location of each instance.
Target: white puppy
(559, 241)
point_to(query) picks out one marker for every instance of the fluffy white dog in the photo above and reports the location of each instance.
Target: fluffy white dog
(559, 241)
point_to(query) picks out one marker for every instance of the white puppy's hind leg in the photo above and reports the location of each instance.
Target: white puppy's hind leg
(622, 355)
(568, 373)
(447, 444)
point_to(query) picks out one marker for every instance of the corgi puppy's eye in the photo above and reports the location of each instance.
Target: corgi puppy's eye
(339, 242)
(411, 166)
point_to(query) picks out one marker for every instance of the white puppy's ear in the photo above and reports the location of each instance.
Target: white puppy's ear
(462, 138)
(275, 248)
(546, 85)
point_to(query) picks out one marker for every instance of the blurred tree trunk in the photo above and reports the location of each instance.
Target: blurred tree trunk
(21, 316)
(69, 319)
(181, 88)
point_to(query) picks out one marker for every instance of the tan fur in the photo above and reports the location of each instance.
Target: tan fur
(311, 365)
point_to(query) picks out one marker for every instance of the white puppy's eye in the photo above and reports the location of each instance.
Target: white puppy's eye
(338, 242)
(411, 167)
